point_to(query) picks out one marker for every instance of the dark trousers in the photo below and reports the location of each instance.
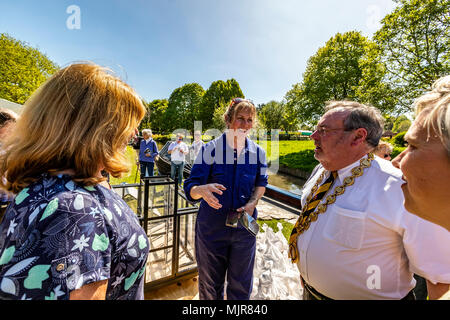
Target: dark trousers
(224, 252)
(146, 166)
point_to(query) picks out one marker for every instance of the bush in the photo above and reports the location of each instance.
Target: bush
(397, 151)
(398, 140)
(162, 138)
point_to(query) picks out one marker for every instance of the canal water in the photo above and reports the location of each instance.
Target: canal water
(280, 180)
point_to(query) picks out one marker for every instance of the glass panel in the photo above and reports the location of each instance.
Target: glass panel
(159, 265)
(186, 258)
(160, 233)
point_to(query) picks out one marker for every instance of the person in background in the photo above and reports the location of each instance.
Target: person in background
(196, 145)
(228, 179)
(177, 150)
(148, 150)
(425, 163)
(7, 121)
(383, 150)
(354, 239)
(63, 235)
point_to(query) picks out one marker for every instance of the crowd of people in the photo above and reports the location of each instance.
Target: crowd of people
(367, 226)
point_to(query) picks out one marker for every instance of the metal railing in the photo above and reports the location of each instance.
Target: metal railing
(168, 219)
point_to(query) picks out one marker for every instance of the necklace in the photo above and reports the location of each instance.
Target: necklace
(322, 207)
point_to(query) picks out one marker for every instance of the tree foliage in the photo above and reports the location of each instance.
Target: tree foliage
(277, 115)
(339, 70)
(183, 107)
(154, 118)
(218, 94)
(415, 42)
(22, 69)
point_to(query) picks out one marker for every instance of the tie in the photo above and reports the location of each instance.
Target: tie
(308, 211)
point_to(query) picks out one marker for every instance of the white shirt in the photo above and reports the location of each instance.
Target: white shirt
(366, 245)
(177, 155)
(196, 147)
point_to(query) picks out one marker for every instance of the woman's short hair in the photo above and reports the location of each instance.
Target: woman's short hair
(80, 119)
(437, 101)
(147, 132)
(237, 105)
(7, 116)
(361, 116)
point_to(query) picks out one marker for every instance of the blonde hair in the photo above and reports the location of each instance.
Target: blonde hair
(234, 108)
(80, 119)
(437, 102)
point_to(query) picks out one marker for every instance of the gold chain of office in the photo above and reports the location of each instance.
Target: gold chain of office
(322, 207)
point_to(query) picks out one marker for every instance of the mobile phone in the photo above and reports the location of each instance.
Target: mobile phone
(232, 219)
(249, 223)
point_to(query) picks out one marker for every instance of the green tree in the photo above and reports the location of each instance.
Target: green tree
(415, 42)
(22, 69)
(218, 122)
(271, 115)
(183, 107)
(402, 123)
(277, 115)
(156, 113)
(218, 94)
(335, 72)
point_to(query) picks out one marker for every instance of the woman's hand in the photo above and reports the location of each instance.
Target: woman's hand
(249, 208)
(206, 193)
(251, 204)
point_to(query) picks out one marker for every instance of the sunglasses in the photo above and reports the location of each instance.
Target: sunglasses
(239, 100)
(386, 155)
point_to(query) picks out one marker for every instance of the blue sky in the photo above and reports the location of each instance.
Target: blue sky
(159, 45)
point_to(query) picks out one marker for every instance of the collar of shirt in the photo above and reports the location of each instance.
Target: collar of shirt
(249, 144)
(347, 171)
(148, 140)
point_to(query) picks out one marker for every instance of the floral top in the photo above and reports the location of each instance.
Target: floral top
(57, 236)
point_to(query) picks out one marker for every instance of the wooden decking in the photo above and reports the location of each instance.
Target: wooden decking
(182, 290)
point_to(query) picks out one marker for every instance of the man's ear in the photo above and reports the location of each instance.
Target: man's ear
(359, 136)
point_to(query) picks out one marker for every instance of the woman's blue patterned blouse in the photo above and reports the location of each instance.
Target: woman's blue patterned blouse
(57, 236)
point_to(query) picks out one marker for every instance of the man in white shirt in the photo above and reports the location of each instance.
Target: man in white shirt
(354, 238)
(177, 150)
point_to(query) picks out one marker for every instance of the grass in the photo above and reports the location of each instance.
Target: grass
(281, 148)
(286, 230)
(130, 176)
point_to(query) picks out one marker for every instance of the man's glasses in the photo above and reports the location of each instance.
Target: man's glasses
(322, 131)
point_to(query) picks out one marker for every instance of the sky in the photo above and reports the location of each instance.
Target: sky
(157, 46)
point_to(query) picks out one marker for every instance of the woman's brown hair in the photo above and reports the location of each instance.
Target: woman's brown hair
(237, 105)
(79, 119)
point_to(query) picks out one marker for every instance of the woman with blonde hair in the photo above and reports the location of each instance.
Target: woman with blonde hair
(66, 236)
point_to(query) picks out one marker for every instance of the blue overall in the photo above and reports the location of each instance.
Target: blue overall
(147, 163)
(221, 249)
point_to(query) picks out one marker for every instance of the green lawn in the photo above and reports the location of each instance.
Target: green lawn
(276, 149)
(130, 176)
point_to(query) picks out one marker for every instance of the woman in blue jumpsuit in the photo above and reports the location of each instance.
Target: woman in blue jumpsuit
(228, 174)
